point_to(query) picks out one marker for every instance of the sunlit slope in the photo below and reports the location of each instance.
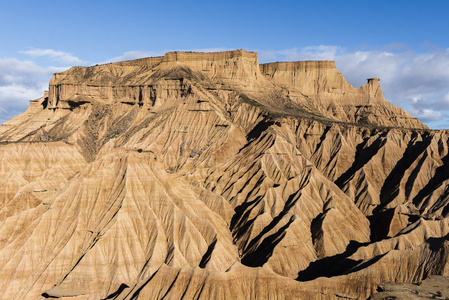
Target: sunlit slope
(210, 176)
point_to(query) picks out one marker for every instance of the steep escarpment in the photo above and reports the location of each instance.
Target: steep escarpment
(143, 81)
(207, 175)
(319, 85)
(314, 87)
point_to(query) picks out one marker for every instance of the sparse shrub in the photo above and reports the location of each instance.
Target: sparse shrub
(439, 294)
(416, 292)
(418, 283)
(139, 150)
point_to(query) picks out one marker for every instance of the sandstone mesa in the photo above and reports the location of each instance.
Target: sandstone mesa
(211, 176)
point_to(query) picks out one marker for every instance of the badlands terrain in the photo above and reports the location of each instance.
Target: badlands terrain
(211, 176)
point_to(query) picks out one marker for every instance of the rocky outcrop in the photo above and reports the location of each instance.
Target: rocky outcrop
(434, 287)
(311, 86)
(211, 176)
(319, 86)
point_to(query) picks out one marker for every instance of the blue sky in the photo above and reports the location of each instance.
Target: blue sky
(406, 43)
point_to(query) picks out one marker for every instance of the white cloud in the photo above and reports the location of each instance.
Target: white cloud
(360, 65)
(427, 114)
(58, 56)
(21, 81)
(417, 82)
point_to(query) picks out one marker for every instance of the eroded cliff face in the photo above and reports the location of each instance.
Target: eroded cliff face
(207, 175)
(320, 87)
(144, 81)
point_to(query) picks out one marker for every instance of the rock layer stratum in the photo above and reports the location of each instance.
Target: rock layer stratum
(209, 176)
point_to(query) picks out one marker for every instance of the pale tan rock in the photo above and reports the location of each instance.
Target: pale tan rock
(318, 86)
(207, 175)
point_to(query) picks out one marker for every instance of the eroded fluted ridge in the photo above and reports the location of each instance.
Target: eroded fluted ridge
(181, 176)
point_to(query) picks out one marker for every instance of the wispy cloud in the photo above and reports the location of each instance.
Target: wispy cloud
(321, 52)
(58, 56)
(421, 109)
(130, 55)
(21, 81)
(427, 114)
